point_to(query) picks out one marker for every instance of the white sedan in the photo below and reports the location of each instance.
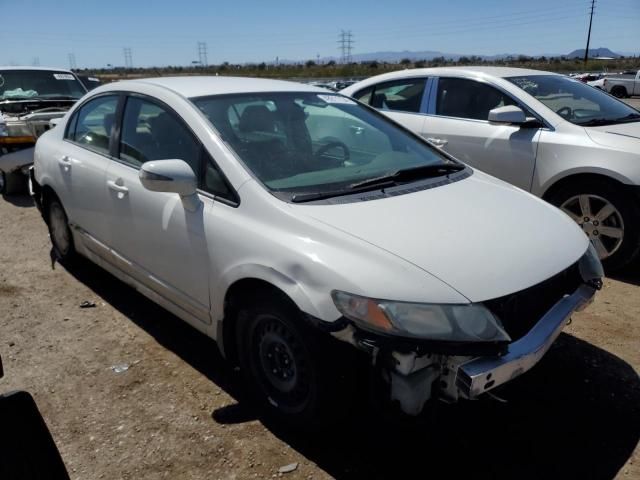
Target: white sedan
(297, 227)
(573, 145)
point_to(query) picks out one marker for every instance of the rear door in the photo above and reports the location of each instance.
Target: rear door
(401, 100)
(82, 163)
(458, 123)
(155, 238)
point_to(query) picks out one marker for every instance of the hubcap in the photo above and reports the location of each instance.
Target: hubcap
(599, 219)
(59, 230)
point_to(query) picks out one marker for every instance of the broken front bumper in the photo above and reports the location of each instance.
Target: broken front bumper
(482, 374)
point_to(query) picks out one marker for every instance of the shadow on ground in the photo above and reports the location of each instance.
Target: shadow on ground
(19, 200)
(576, 415)
(630, 275)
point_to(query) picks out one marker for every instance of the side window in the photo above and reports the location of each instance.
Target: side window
(462, 98)
(91, 125)
(214, 182)
(364, 96)
(401, 95)
(150, 132)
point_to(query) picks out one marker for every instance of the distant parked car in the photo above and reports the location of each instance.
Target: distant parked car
(298, 227)
(90, 82)
(624, 85)
(30, 97)
(568, 143)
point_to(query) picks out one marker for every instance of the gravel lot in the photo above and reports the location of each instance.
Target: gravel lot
(177, 411)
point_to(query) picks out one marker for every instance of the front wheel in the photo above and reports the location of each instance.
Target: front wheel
(619, 92)
(609, 216)
(287, 364)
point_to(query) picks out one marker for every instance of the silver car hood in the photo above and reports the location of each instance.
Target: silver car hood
(481, 236)
(620, 136)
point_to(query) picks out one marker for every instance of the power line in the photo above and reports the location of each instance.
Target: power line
(202, 53)
(72, 61)
(586, 51)
(128, 59)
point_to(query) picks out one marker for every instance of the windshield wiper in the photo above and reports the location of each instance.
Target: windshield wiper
(597, 122)
(413, 173)
(311, 196)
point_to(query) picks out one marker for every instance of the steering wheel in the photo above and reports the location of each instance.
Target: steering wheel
(346, 153)
(565, 112)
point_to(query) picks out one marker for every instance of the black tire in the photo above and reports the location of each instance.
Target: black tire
(13, 183)
(59, 231)
(619, 92)
(628, 209)
(293, 370)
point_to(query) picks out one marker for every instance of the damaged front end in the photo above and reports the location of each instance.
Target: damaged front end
(19, 131)
(417, 369)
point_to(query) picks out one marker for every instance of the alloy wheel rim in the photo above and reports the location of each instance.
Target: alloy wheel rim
(59, 230)
(600, 220)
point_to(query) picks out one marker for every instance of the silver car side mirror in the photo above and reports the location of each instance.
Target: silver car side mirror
(509, 114)
(172, 176)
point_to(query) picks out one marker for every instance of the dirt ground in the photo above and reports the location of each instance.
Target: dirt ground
(177, 411)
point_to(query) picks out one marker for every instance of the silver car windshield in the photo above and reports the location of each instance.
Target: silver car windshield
(39, 85)
(314, 142)
(575, 101)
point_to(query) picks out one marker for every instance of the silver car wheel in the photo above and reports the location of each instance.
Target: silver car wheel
(599, 219)
(59, 229)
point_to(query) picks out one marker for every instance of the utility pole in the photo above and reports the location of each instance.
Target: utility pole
(128, 59)
(202, 54)
(72, 61)
(36, 61)
(586, 51)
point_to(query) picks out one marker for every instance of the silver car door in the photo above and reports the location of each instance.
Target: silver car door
(460, 127)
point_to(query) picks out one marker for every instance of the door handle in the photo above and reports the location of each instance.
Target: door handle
(437, 142)
(121, 189)
(65, 163)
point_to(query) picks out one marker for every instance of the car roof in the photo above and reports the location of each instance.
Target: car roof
(200, 86)
(45, 69)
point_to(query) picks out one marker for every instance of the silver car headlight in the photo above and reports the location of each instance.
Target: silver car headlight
(427, 321)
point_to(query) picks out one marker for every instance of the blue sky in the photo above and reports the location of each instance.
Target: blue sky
(166, 32)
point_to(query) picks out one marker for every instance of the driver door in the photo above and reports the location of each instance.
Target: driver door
(460, 126)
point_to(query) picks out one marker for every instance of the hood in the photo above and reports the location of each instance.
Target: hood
(622, 136)
(481, 236)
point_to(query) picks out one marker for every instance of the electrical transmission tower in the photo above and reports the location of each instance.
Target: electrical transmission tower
(586, 51)
(128, 60)
(72, 61)
(202, 53)
(346, 45)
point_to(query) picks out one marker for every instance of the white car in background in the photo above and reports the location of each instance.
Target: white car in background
(553, 136)
(279, 218)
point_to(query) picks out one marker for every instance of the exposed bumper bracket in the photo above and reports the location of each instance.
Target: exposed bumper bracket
(482, 374)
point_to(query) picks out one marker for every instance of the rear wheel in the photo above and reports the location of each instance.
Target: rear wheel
(59, 231)
(12, 183)
(609, 216)
(619, 92)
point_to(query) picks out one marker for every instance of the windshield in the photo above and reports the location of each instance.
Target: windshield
(39, 84)
(575, 101)
(313, 142)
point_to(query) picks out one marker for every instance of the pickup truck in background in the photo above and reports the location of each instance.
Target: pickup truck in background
(622, 86)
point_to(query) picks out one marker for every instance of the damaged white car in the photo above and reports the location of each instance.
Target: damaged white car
(30, 98)
(278, 217)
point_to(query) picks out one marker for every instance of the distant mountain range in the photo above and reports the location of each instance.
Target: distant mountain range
(394, 56)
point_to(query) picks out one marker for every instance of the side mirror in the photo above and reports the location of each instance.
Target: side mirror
(171, 176)
(509, 114)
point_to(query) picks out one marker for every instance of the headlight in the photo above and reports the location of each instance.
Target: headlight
(446, 322)
(14, 133)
